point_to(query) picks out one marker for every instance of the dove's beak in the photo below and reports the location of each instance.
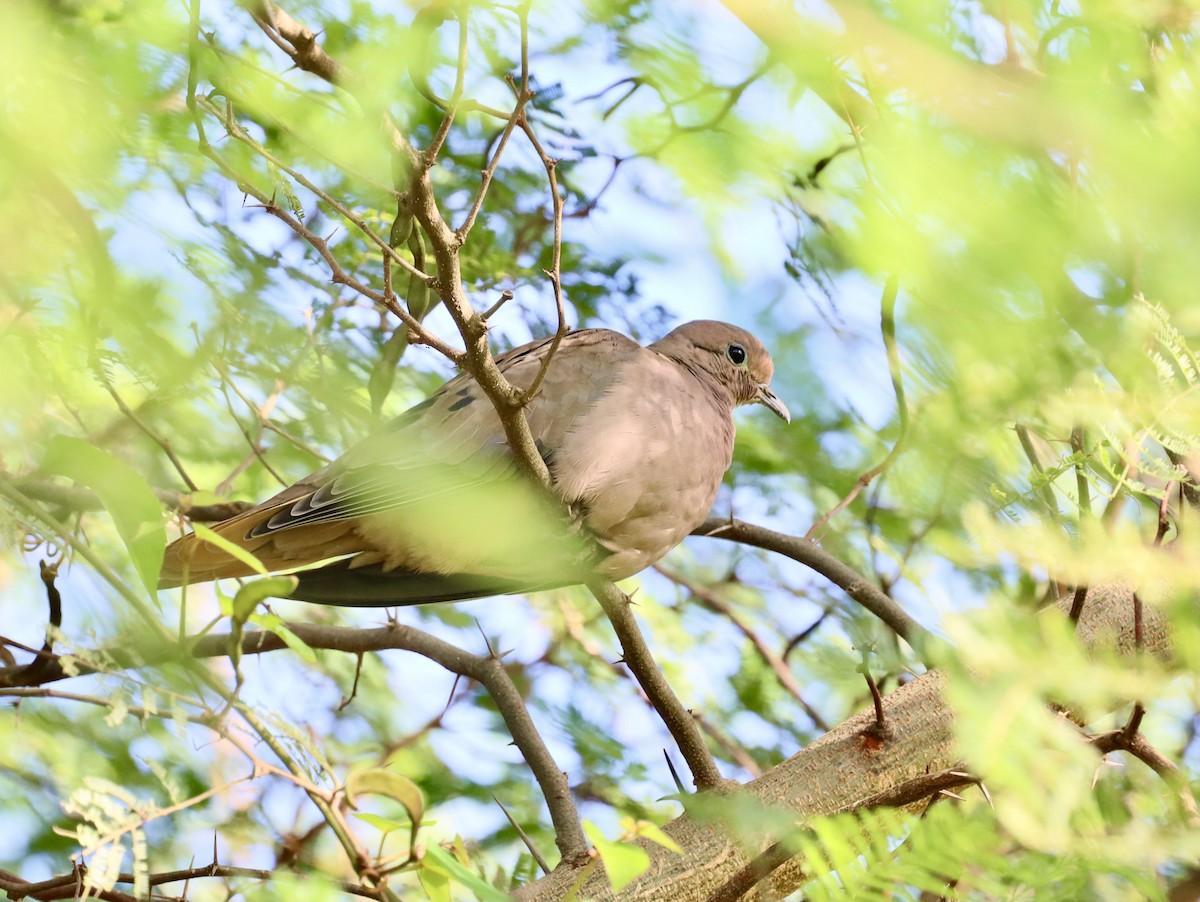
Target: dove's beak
(767, 399)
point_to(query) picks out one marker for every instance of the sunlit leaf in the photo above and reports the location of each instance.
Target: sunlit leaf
(623, 862)
(135, 510)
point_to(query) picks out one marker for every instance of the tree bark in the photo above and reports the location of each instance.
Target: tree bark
(841, 771)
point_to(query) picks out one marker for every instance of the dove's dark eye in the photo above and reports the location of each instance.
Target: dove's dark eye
(737, 354)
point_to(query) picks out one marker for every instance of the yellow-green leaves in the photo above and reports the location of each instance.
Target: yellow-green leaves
(445, 867)
(240, 610)
(229, 547)
(382, 782)
(135, 511)
(252, 594)
(624, 861)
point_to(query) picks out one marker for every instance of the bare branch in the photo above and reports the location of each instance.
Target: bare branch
(888, 328)
(66, 885)
(811, 555)
(714, 602)
(679, 721)
(82, 500)
(484, 669)
(907, 793)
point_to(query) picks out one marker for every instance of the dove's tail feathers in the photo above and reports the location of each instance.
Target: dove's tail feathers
(372, 586)
(200, 560)
(359, 579)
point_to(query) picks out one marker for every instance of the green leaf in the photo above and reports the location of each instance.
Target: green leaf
(252, 594)
(275, 624)
(623, 862)
(229, 548)
(136, 513)
(382, 824)
(439, 860)
(383, 782)
(652, 832)
(435, 883)
(383, 375)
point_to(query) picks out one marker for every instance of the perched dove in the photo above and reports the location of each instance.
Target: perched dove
(434, 508)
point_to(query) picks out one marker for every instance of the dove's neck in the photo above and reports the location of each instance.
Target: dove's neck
(693, 365)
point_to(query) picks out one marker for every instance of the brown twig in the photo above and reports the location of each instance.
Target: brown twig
(801, 637)
(65, 885)
(1136, 744)
(304, 50)
(855, 585)
(888, 329)
(445, 244)
(80, 500)
(484, 669)
(736, 752)
(906, 793)
(1077, 602)
(637, 657)
(537, 856)
(239, 134)
(47, 522)
(429, 157)
(141, 424)
(712, 600)
(257, 451)
(1164, 514)
(554, 274)
(45, 660)
(880, 730)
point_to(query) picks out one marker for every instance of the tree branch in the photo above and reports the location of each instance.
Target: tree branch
(487, 670)
(679, 721)
(811, 555)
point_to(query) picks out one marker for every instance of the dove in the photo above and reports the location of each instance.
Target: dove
(434, 507)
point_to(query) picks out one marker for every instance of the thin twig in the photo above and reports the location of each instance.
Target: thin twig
(554, 274)
(887, 320)
(637, 657)
(489, 171)
(484, 669)
(1137, 745)
(241, 135)
(429, 157)
(715, 603)
(63, 886)
(141, 424)
(537, 856)
(737, 753)
(1164, 514)
(1078, 448)
(147, 613)
(854, 584)
(1077, 602)
(1046, 490)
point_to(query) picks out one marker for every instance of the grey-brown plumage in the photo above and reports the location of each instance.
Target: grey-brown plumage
(433, 508)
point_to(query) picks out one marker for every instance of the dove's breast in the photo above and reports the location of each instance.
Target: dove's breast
(645, 463)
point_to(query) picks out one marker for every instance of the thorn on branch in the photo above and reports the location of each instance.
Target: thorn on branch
(880, 731)
(488, 642)
(1077, 604)
(524, 837)
(505, 296)
(674, 774)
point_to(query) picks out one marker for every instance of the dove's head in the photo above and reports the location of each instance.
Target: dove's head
(735, 358)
